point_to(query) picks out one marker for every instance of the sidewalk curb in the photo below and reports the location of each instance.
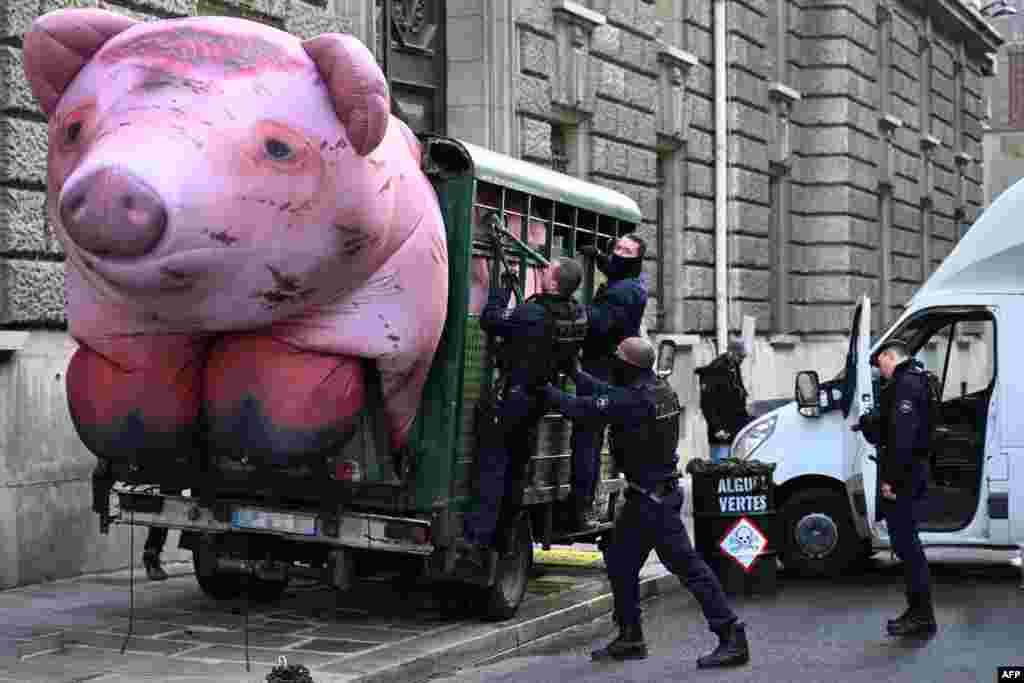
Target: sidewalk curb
(422, 661)
(41, 644)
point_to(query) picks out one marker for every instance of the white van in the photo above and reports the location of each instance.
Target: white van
(966, 325)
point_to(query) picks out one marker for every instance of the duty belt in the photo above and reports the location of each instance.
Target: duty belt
(660, 491)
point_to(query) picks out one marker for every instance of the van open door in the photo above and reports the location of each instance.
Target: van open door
(860, 453)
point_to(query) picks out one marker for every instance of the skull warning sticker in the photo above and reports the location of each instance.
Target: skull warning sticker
(744, 542)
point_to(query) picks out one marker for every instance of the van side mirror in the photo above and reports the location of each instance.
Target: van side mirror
(808, 389)
(666, 358)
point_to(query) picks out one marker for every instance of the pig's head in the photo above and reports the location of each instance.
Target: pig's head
(213, 173)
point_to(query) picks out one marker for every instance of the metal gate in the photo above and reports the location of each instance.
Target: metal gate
(411, 49)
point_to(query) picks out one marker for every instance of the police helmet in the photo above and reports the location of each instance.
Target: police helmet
(888, 345)
(636, 351)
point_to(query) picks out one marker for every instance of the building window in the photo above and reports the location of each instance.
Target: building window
(559, 149)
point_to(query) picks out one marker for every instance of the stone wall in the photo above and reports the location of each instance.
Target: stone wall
(836, 188)
(854, 149)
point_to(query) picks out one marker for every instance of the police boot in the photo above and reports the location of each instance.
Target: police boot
(629, 645)
(892, 623)
(151, 561)
(581, 507)
(732, 649)
(919, 621)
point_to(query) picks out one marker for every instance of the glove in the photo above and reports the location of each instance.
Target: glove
(509, 280)
(870, 425)
(589, 250)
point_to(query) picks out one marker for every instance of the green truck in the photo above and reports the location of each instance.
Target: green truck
(369, 509)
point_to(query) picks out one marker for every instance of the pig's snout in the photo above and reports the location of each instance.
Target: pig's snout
(110, 212)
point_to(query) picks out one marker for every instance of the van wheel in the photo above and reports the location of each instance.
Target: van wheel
(818, 535)
(502, 600)
(221, 585)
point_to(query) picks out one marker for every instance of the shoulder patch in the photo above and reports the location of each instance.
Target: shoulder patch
(601, 402)
(506, 314)
(905, 407)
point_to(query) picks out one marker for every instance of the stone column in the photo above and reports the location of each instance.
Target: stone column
(887, 126)
(572, 93)
(483, 43)
(928, 144)
(673, 130)
(783, 99)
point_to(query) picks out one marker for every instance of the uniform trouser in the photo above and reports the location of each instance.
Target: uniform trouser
(901, 516)
(586, 441)
(157, 535)
(502, 459)
(643, 525)
(155, 539)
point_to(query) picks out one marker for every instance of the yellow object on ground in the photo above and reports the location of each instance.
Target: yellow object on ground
(567, 557)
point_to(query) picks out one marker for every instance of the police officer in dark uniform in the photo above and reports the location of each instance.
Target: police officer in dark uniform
(723, 399)
(901, 429)
(643, 411)
(615, 313)
(539, 337)
(151, 553)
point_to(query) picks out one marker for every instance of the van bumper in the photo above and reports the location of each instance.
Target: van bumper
(407, 535)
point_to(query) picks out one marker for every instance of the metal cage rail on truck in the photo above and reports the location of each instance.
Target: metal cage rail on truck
(363, 505)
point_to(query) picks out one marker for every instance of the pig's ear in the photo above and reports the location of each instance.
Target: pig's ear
(356, 85)
(60, 43)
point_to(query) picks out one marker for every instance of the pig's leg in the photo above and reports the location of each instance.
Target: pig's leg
(396, 319)
(279, 404)
(134, 388)
(136, 399)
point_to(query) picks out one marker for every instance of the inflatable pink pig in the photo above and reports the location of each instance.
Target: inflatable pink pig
(243, 221)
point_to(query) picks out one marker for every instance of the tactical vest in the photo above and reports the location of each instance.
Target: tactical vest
(651, 443)
(540, 359)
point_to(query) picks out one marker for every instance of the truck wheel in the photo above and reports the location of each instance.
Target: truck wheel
(221, 585)
(502, 600)
(818, 535)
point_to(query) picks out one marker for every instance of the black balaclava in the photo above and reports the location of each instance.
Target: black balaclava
(623, 373)
(617, 267)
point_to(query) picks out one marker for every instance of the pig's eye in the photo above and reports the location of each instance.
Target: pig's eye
(277, 150)
(74, 131)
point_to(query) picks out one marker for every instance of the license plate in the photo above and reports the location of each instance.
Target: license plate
(303, 525)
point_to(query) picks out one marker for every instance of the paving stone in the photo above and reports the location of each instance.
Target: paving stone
(368, 635)
(109, 641)
(146, 628)
(203, 621)
(231, 653)
(257, 638)
(334, 646)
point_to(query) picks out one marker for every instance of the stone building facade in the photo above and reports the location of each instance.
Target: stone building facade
(852, 142)
(1004, 140)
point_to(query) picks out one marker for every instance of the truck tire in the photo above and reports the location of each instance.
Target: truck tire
(818, 537)
(501, 601)
(221, 585)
